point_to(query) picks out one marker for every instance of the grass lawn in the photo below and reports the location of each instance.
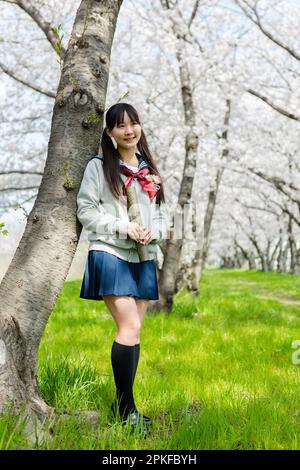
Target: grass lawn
(219, 372)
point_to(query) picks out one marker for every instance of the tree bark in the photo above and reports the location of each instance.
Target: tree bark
(37, 273)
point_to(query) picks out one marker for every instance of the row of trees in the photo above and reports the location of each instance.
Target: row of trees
(219, 83)
(260, 217)
(224, 68)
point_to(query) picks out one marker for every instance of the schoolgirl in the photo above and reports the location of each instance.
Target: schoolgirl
(113, 271)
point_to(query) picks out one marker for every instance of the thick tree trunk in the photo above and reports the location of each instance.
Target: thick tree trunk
(36, 275)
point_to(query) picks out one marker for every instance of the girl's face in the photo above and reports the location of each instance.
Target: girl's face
(127, 133)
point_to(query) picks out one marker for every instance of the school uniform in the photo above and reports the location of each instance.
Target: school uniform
(113, 265)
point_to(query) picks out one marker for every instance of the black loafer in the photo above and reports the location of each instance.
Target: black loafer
(137, 423)
(113, 409)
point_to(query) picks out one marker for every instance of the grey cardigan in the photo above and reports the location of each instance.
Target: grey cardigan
(106, 218)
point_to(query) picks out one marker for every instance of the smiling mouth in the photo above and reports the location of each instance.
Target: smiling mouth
(129, 140)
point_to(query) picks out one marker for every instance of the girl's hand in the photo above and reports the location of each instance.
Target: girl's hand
(147, 236)
(134, 231)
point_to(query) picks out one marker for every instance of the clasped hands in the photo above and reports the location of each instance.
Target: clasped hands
(140, 233)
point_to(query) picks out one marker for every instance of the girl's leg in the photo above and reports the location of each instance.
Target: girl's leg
(142, 305)
(123, 359)
(126, 315)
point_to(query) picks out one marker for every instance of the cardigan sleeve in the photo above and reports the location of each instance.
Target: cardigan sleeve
(90, 212)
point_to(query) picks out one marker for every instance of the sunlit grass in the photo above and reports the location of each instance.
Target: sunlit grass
(216, 373)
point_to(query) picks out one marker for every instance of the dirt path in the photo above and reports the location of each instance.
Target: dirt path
(283, 300)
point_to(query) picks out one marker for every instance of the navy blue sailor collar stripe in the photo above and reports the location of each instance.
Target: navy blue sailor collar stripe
(142, 163)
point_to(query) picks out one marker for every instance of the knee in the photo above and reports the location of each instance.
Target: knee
(135, 326)
(132, 328)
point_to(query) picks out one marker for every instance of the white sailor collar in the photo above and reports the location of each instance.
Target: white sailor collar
(142, 163)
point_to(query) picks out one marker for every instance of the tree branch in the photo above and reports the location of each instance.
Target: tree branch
(29, 85)
(278, 183)
(257, 20)
(274, 106)
(44, 25)
(18, 189)
(21, 172)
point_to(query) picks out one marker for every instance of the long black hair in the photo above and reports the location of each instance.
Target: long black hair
(111, 164)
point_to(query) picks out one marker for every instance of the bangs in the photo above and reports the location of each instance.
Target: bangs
(131, 113)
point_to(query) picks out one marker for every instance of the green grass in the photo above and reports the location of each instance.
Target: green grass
(215, 374)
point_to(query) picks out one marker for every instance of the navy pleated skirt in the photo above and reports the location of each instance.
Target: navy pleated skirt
(107, 274)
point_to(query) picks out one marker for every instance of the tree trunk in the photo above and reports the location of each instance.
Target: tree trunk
(37, 273)
(247, 256)
(292, 247)
(272, 256)
(251, 261)
(282, 257)
(189, 275)
(260, 253)
(173, 245)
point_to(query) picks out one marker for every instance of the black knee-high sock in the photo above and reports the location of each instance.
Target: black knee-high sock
(123, 364)
(136, 356)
